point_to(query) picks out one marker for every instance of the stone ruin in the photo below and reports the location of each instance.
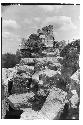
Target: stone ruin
(41, 88)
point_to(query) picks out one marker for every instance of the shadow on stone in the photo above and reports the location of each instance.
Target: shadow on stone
(13, 114)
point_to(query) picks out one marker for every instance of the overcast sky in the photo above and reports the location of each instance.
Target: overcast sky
(20, 21)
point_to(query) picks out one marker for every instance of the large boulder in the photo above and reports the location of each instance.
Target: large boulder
(74, 90)
(8, 74)
(41, 75)
(4, 74)
(49, 78)
(4, 108)
(51, 109)
(74, 100)
(46, 72)
(18, 101)
(4, 92)
(4, 96)
(54, 103)
(12, 72)
(30, 114)
(76, 76)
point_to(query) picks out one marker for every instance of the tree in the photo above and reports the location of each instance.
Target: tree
(9, 60)
(70, 62)
(34, 45)
(31, 45)
(48, 30)
(49, 36)
(18, 56)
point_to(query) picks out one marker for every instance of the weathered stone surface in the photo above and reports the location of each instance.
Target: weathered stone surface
(51, 63)
(42, 86)
(54, 66)
(18, 101)
(76, 76)
(49, 78)
(45, 60)
(42, 92)
(26, 61)
(74, 99)
(75, 83)
(25, 68)
(53, 54)
(74, 89)
(53, 105)
(4, 95)
(7, 74)
(30, 114)
(46, 72)
(4, 74)
(5, 107)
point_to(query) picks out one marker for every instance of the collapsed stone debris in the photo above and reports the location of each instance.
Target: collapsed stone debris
(43, 88)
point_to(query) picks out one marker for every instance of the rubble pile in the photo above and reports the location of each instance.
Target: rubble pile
(42, 87)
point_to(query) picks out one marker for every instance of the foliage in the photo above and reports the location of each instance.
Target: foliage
(34, 45)
(10, 60)
(60, 45)
(70, 61)
(20, 85)
(71, 48)
(48, 30)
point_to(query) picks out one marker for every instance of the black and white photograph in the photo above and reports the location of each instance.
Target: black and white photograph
(40, 51)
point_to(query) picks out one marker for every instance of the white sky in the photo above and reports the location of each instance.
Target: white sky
(21, 21)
